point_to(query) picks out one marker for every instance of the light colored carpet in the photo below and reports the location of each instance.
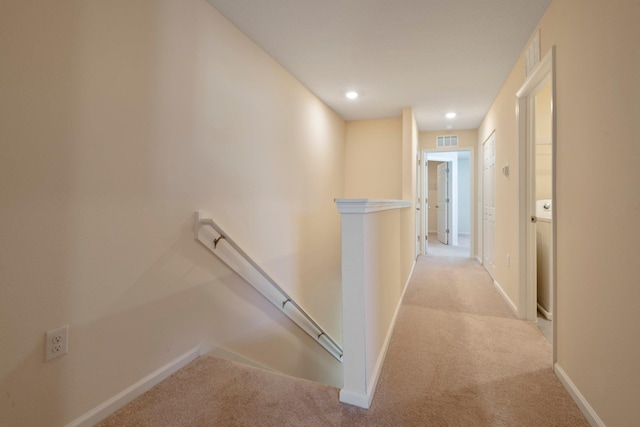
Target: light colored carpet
(545, 326)
(458, 357)
(437, 248)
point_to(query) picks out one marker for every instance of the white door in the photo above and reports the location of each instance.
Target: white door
(443, 202)
(419, 230)
(489, 204)
(425, 204)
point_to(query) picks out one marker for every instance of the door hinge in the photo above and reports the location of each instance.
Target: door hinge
(447, 231)
(447, 201)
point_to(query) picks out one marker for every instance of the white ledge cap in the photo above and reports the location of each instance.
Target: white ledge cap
(362, 206)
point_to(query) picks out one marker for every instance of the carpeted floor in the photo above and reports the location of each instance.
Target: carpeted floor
(439, 249)
(458, 357)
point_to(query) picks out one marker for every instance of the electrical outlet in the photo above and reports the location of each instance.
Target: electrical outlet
(56, 343)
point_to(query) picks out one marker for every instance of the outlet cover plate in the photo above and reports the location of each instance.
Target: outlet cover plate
(56, 343)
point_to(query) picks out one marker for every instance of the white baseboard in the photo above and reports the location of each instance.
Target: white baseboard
(479, 260)
(406, 284)
(116, 402)
(545, 313)
(364, 400)
(514, 308)
(586, 409)
(222, 353)
(356, 399)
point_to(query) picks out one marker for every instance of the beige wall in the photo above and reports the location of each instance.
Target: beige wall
(383, 287)
(373, 159)
(118, 121)
(544, 175)
(596, 211)
(543, 138)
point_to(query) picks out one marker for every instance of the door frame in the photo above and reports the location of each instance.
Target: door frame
(472, 194)
(527, 302)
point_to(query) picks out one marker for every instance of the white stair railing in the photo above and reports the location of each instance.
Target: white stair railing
(217, 241)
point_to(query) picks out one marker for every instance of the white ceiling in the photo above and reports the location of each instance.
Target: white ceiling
(433, 55)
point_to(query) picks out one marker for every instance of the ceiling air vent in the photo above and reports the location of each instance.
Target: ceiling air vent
(447, 141)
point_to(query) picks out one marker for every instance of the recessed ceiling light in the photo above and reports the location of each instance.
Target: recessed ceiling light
(352, 94)
(449, 126)
(450, 115)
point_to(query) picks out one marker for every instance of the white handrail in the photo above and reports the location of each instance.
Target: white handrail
(217, 241)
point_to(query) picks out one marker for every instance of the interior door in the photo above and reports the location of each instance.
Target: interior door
(489, 204)
(443, 202)
(425, 205)
(418, 222)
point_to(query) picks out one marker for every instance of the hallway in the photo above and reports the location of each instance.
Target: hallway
(458, 356)
(438, 249)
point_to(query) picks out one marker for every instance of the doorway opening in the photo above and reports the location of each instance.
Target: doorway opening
(536, 122)
(447, 214)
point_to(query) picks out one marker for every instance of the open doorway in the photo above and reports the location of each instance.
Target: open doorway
(447, 202)
(537, 200)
